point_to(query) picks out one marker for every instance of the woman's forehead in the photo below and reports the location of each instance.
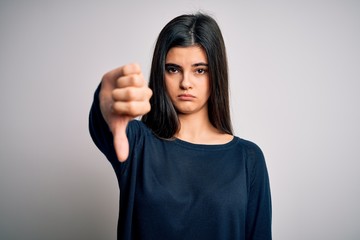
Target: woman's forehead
(190, 54)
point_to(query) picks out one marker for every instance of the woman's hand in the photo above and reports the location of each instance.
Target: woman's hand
(124, 95)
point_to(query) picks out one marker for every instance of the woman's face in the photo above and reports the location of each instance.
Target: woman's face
(187, 79)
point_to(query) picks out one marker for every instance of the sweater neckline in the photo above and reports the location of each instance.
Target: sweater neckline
(210, 147)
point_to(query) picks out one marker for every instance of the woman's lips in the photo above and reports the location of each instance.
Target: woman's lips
(186, 97)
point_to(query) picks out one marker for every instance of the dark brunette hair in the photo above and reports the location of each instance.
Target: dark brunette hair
(182, 31)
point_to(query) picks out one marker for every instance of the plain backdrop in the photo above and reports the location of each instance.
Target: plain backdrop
(295, 81)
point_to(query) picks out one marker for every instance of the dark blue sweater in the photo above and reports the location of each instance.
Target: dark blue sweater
(172, 189)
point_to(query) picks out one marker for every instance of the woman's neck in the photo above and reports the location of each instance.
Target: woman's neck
(199, 130)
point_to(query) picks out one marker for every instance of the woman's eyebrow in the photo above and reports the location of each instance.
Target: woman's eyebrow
(193, 65)
(172, 65)
(200, 64)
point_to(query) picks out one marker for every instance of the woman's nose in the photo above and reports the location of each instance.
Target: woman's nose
(185, 82)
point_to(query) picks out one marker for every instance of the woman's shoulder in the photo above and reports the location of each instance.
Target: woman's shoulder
(248, 144)
(137, 130)
(137, 125)
(249, 148)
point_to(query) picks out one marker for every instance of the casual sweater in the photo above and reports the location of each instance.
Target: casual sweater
(173, 189)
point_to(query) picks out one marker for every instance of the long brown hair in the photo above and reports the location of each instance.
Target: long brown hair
(182, 31)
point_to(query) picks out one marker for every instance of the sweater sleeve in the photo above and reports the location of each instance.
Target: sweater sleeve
(100, 131)
(259, 210)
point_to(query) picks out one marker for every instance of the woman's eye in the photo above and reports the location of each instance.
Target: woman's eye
(172, 70)
(201, 71)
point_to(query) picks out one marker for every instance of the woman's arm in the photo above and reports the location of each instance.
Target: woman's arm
(259, 210)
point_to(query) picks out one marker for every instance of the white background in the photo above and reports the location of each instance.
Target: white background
(295, 81)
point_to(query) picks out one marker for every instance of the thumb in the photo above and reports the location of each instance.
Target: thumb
(121, 142)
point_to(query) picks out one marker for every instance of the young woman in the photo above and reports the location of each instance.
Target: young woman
(182, 174)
